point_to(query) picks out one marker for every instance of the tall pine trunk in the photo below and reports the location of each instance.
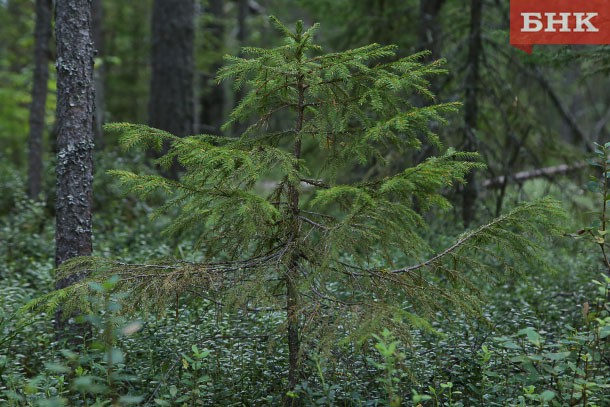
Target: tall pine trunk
(75, 95)
(42, 37)
(471, 106)
(171, 105)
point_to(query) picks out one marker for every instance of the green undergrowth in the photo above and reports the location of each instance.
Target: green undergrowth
(198, 353)
(541, 337)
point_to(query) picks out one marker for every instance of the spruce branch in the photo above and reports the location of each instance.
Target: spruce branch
(546, 208)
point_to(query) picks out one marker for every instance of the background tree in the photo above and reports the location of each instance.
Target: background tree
(127, 59)
(171, 104)
(212, 94)
(471, 104)
(16, 65)
(75, 100)
(42, 38)
(430, 26)
(97, 21)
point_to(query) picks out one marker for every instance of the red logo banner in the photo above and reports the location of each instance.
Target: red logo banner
(559, 22)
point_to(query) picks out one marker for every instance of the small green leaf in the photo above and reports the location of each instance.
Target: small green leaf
(510, 345)
(532, 336)
(130, 399)
(604, 332)
(547, 395)
(557, 356)
(57, 367)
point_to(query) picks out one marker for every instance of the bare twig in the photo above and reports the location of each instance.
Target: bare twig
(518, 177)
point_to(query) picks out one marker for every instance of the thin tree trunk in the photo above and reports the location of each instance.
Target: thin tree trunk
(242, 15)
(471, 105)
(429, 27)
(75, 96)
(42, 36)
(429, 34)
(242, 35)
(522, 176)
(99, 73)
(171, 105)
(292, 276)
(293, 328)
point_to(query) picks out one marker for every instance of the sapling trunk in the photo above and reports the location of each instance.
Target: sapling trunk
(292, 276)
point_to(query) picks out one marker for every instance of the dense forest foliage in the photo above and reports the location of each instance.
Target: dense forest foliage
(299, 202)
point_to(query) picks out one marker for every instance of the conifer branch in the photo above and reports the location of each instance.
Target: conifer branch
(550, 206)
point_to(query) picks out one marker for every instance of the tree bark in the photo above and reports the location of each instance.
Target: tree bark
(293, 329)
(42, 36)
(171, 106)
(75, 98)
(292, 274)
(99, 73)
(471, 106)
(172, 62)
(429, 38)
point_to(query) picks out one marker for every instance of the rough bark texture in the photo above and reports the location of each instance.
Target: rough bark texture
(75, 95)
(212, 95)
(99, 73)
(471, 106)
(171, 93)
(42, 36)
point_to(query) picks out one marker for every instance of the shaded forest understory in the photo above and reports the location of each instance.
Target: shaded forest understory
(353, 223)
